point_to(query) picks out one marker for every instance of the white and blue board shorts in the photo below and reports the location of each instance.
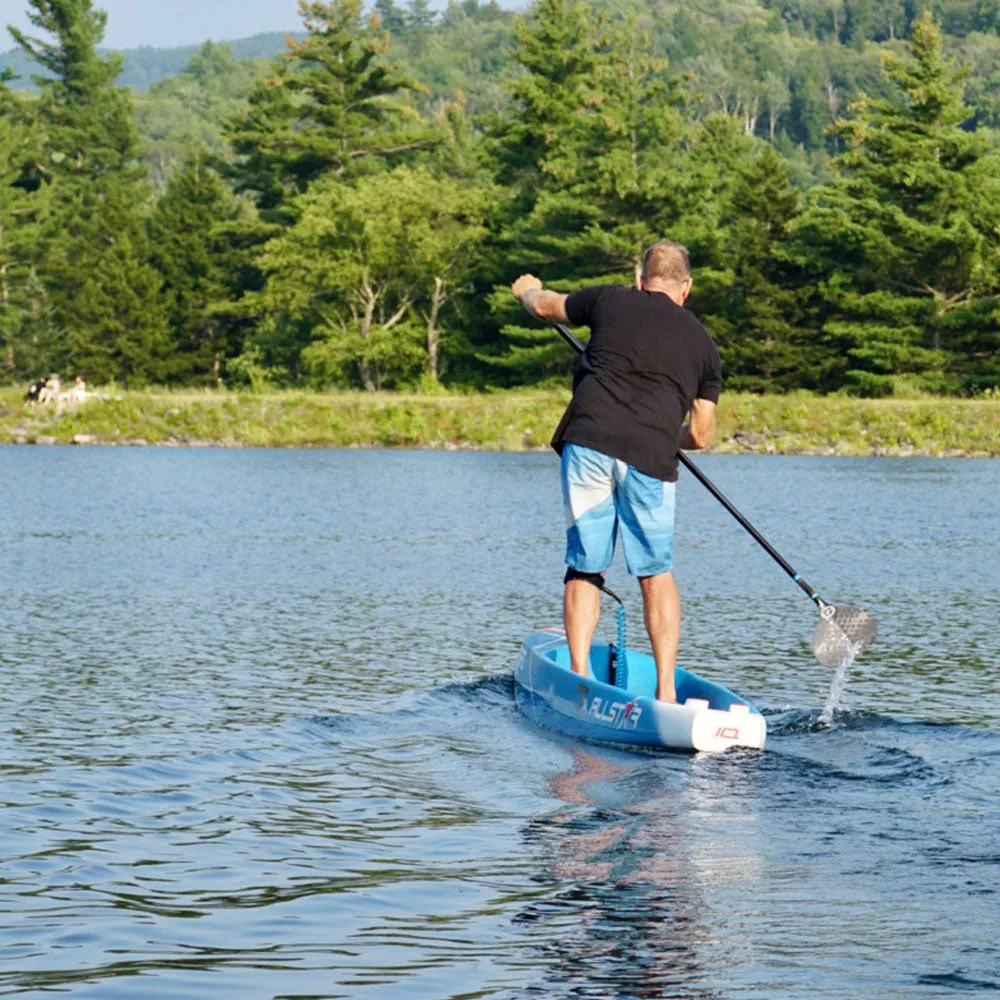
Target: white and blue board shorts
(602, 496)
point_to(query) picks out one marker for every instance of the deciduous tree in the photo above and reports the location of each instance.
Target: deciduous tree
(369, 272)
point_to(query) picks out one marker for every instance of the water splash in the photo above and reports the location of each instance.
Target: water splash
(839, 682)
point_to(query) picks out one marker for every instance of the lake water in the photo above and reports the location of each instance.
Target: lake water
(258, 739)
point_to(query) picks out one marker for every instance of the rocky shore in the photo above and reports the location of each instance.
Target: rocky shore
(505, 421)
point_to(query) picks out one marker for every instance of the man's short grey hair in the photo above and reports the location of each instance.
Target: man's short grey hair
(666, 261)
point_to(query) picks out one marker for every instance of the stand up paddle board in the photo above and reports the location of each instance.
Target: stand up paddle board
(707, 716)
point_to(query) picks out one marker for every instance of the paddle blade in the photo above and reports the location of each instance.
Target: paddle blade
(842, 633)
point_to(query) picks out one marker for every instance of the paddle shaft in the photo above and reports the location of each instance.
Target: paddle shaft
(577, 345)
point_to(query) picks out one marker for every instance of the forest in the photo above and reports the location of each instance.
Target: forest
(349, 211)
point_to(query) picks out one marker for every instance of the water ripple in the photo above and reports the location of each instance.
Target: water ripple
(259, 740)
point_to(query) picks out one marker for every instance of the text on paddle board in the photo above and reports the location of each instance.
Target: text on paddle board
(620, 713)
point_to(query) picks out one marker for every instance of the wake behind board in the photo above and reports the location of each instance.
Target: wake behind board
(707, 716)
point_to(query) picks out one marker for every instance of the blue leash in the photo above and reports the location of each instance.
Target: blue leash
(621, 667)
(621, 649)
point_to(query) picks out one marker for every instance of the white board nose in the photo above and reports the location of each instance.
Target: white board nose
(713, 730)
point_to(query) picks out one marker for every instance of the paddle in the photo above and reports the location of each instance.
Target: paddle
(842, 632)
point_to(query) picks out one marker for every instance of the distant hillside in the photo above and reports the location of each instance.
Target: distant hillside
(146, 65)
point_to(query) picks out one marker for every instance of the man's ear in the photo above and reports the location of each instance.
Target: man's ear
(638, 276)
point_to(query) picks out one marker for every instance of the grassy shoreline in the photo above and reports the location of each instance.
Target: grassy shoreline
(501, 421)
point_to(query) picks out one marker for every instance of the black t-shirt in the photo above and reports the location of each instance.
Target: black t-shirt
(633, 386)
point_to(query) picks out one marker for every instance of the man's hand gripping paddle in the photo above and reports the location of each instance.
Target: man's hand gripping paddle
(842, 632)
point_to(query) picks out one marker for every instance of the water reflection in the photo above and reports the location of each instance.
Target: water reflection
(629, 918)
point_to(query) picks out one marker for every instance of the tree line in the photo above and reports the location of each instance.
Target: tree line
(147, 65)
(336, 222)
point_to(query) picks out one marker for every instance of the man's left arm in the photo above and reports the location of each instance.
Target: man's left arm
(543, 304)
(698, 432)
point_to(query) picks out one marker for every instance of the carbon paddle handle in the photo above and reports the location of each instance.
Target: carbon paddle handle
(754, 533)
(564, 332)
(577, 345)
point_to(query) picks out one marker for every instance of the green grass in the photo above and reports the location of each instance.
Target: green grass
(504, 421)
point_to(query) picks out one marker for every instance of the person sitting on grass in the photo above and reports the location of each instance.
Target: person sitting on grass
(78, 394)
(50, 391)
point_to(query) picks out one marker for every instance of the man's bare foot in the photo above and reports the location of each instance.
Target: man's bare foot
(670, 697)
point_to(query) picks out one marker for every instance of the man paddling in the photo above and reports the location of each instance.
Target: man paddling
(648, 365)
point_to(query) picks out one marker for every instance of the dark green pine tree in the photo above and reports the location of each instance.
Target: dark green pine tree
(257, 136)
(91, 121)
(120, 330)
(27, 342)
(904, 248)
(91, 246)
(535, 145)
(600, 159)
(38, 345)
(628, 175)
(419, 18)
(556, 48)
(349, 97)
(332, 106)
(392, 17)
(754, 311)
(190, 232)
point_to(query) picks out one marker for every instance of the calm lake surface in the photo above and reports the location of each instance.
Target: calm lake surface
(258, 739)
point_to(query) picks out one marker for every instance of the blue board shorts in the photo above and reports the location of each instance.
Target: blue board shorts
(602, 496)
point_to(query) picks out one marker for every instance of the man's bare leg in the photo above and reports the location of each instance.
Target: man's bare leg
(581, 612)
(662, 606)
